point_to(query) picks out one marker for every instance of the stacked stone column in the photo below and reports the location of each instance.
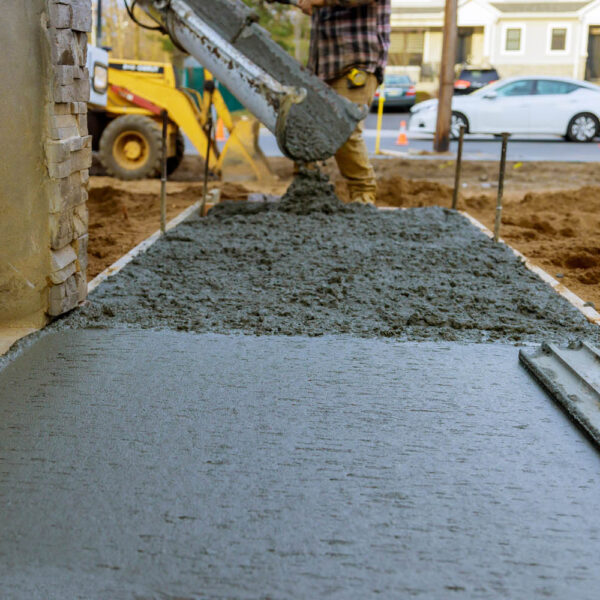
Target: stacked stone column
(68, 151)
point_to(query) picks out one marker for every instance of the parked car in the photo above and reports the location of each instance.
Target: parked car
(471, 79)
(542, 105)
(399, 92)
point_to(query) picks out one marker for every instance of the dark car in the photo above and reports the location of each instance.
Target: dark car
(470, 80)
(399, 92)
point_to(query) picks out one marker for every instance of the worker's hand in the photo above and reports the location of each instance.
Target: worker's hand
(306, 6)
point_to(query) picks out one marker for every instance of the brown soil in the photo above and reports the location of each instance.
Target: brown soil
(551, 210)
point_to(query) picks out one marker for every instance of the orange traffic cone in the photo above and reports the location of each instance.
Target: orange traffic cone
(220, 135)
(402, 137)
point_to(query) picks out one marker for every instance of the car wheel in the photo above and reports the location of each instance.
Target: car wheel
(458, 120)
(583, 127)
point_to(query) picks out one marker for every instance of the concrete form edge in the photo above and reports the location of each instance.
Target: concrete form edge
(140, 248)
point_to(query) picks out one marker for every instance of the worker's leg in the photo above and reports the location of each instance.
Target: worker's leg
(352, 158)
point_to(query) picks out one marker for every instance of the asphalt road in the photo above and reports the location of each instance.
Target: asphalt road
(477, 147)
(481, 147)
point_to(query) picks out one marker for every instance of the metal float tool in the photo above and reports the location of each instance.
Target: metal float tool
(571, 375)
(310, 121)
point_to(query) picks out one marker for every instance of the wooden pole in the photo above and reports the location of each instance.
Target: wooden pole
(441, 142)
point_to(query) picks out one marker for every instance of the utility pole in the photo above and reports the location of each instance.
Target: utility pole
(99, 23)
(441, 142)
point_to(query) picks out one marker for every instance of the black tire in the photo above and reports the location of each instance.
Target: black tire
(173, 162)
(128, 133)
(458, 119)
(583, 127)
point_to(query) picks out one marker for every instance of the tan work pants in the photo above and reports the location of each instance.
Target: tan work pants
(352, 158)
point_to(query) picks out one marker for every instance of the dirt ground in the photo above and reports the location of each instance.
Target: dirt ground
(551, 210)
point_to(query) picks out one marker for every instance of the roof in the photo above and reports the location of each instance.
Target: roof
(539, 7)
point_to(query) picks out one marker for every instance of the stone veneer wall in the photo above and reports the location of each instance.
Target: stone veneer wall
(68, 151)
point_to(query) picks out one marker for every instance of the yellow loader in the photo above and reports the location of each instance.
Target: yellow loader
(127, 133)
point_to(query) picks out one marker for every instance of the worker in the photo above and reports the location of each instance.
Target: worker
(349, 46)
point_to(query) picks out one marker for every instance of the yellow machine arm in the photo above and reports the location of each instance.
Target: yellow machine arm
(146, 89)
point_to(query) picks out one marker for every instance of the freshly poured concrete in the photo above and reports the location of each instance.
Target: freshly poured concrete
(313, 266)
(155, 464)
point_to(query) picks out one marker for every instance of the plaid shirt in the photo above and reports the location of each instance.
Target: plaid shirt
(349, 34)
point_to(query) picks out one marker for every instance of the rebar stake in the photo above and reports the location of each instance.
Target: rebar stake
(461, 138)
(505, 137)
(163, 178)
(209, 128)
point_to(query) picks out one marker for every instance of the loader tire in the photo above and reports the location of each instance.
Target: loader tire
(173, 162)
(131, 147)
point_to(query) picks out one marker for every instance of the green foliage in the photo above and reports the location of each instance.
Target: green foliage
(275, 18)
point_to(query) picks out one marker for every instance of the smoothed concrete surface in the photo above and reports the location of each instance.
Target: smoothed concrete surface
(157, 464)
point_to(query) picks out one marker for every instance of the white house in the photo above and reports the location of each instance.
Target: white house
(554, 37)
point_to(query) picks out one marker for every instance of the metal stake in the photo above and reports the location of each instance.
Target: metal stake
(505, 137)
(209, 127)
(99, 24)
(461, 138)
(163, 179)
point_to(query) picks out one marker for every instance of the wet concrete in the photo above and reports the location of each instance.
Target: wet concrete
(144, 464)
(313, 266)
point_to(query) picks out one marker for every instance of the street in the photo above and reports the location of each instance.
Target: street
(477, 147)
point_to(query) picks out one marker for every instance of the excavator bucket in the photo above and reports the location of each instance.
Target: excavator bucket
(309, 120)
(242, 159)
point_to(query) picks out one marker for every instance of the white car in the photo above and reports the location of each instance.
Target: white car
(531, 105)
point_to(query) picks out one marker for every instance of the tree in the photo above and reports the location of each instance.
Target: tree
(279, 21)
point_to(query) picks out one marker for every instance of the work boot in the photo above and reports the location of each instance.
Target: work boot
(363, 198)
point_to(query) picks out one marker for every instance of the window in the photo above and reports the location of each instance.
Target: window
(558, 39)
(522, 87)
(513, 39)
(406, 48)
(546, 87)
(397, 80)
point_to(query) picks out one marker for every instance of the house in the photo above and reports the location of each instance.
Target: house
(554, 37)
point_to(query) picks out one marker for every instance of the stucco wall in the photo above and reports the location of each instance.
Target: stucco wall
(45, 153)
(24, 227)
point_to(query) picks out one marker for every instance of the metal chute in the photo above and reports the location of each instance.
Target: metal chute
(309, 120)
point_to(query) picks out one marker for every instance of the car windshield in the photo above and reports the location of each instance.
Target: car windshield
(483, 75)
(397, 80)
